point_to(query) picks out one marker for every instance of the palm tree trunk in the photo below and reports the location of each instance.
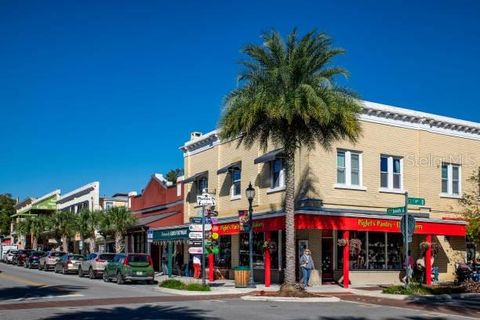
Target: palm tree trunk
(64, 243)
(92, 244)
(119, 242)
(290, 216)
(34, 241)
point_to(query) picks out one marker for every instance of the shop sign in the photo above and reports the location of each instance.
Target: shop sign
(195, 243)
(149, 236)
(170, 234)
(205, 199)
(195, 250)
(47, 204)
(195, 235)
(198, 227)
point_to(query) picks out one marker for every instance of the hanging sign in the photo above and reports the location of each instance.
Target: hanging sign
(198, 227)
(195, 250)
(205, 199)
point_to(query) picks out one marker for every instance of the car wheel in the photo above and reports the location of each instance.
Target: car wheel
(64, 271)
(45, 268)
(80, 272)
(119, 278)
(105, 277)
(150, 281)
(91, 273)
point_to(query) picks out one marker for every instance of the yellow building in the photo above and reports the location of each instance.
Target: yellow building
(346, 188)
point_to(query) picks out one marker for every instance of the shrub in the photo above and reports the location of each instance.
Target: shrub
(197, 287)
(471, 286)
(419, 289)
(172, 284)
(179, 285)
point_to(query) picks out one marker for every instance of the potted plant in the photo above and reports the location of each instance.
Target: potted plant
(342, 242)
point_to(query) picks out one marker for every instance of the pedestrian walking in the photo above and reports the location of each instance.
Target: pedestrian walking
(306, 263)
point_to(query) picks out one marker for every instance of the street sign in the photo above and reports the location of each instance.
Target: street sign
(396, 210)
(416, 201)
(411, 227)
(198, 227)
(195, 235)
(195, 250)
(195, 243)
(206, 199)
(197, 220)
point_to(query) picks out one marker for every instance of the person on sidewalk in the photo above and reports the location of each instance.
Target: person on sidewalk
(306, 263)
(197, 266)
(410, 265)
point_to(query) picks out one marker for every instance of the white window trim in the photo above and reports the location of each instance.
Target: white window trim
(390, 188)
(232, 187)
(449, 193)
(348, 171)
(281, 178)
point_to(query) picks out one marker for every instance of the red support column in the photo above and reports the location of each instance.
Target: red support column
(428, 261)
(346, 259)
(210, 267)
(267, 261)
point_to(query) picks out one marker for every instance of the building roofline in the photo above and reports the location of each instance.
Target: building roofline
(46, 196)
(81, 189)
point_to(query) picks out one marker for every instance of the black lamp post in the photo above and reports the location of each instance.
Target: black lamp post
(250, 192)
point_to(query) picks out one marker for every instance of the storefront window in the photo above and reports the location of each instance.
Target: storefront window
(358, 254)
(394, 251)
(379, 244)
(224, 257)
(274, 250)
(376, 250)
(258, 239)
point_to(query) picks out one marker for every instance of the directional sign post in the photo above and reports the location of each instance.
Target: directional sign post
(398, 210)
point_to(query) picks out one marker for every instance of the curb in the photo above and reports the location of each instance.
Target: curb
(289, 299)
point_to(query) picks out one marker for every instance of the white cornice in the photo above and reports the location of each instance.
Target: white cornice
(376, 113)
(94, 185)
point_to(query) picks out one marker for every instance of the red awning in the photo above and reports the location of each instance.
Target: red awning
(352, 222)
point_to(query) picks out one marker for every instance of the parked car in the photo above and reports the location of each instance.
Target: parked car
(129, 267)
(8, 257)
(68, 263)
(33, 260)
(22, 255)
(94, 264)
(49, 260)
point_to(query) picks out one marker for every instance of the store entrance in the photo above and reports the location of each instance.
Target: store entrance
(327, 260)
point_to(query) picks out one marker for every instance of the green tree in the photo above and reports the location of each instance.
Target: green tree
(65, 224)
(87, 223)
(471, 207)
(116, 221)
(173, 174)
(288, 96)
(7, 209)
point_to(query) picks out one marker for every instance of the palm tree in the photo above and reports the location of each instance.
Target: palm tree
(24, 226)
(66, 223)
(87, 224)
(116, 221)
(288, 96)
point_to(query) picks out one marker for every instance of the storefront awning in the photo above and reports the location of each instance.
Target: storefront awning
(269, 156)
(229, 167)
(196, 176)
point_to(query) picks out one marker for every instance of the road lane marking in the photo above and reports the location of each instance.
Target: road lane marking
(4, 275)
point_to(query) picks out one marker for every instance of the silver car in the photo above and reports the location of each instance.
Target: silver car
(94, 264)
(68, 263)
(48, 261)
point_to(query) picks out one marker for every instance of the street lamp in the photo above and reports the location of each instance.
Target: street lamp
(250, 193)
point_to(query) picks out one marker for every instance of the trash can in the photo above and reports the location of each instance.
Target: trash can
(241, 276)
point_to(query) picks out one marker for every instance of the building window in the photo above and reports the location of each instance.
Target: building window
(349, 168)
(108, 205)
(236, 175)
(451, 179)
(373, 251)
(391, 170)
(258, 241)
(224, 257)
(277, 174)
(202, 184)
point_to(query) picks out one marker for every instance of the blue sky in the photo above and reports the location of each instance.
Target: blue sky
(108, 90)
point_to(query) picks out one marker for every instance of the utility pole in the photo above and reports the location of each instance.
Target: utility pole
(405, 239)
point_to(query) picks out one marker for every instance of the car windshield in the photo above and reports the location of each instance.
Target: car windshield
(57, 254)
(107, 257)
(138, 258)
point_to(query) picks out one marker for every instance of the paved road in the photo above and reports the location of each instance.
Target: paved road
(32, 294)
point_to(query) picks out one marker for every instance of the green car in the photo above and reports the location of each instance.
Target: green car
(129, 267)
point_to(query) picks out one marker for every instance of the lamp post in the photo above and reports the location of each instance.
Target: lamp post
(250, 193)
